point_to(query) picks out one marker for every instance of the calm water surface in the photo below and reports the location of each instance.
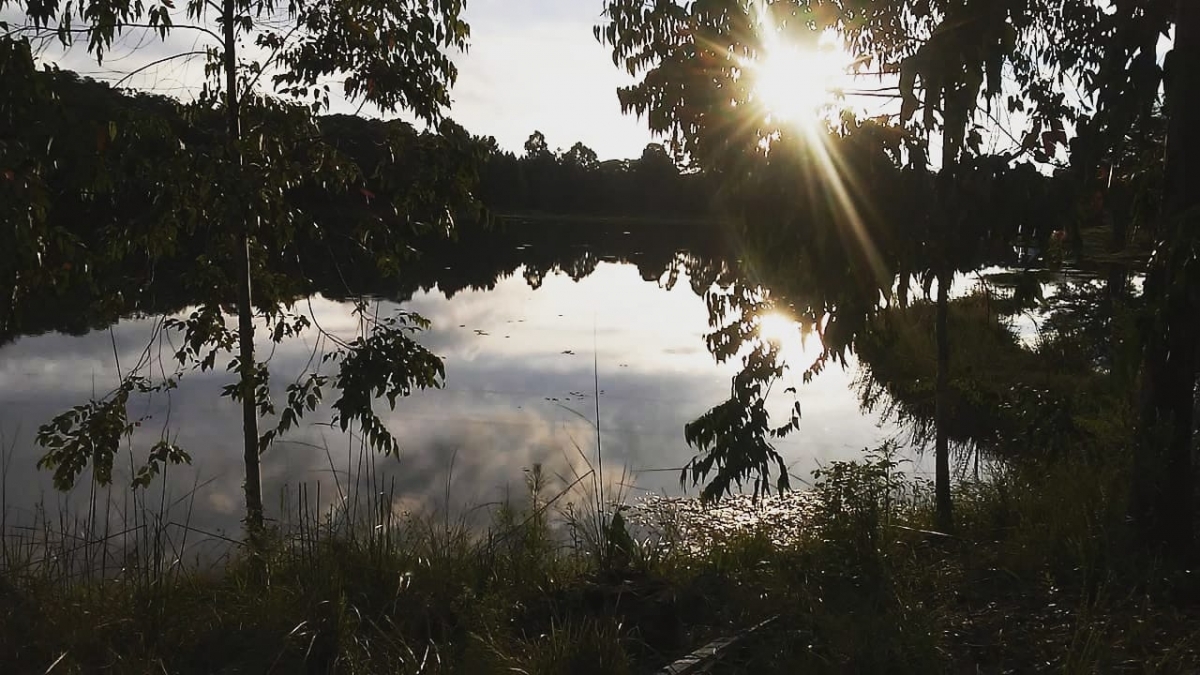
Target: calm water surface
(522, 370)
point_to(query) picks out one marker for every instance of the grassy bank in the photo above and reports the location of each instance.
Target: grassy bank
(1040, 576)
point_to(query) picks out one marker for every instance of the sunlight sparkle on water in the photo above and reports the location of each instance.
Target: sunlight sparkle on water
(782, 331)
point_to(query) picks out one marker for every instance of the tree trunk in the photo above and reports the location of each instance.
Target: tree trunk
(1164, 484)
(941, 403)
(952, 137)
(1116, 306)
(245, 306)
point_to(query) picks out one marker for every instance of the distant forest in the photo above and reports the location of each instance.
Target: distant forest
(576, 181)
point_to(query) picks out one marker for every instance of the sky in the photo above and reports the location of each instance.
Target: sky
(531, 65)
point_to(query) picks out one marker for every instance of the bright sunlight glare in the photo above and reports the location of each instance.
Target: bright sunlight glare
(793, 83)
(775, 327)
(782, 331)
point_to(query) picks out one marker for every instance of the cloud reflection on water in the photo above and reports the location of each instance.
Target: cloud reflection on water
(521, 365)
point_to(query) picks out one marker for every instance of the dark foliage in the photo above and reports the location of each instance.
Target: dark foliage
(575, 181)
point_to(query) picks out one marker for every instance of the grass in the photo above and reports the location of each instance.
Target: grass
(1040, 577)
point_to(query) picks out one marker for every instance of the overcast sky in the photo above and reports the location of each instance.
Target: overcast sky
(532, 64)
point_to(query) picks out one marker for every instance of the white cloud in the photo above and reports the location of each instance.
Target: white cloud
(550, 76)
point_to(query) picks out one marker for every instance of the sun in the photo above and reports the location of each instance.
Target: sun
(793, 83)
(783, 332)
(787, 335)
(775, 327)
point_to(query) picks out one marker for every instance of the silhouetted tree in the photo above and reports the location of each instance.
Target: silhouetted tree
(391, 55)
(690, 61)
(1164, 488)
(536, 147)
(581, 157)
(577, 182)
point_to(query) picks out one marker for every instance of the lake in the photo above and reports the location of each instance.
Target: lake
(543, 339)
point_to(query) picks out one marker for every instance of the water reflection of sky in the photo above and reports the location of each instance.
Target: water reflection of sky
(523, 367)
(1028, 324)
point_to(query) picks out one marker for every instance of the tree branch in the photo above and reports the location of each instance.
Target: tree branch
(56, 29)
(270, 59)
(869, 93)
(156, 62)
(999, 125)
